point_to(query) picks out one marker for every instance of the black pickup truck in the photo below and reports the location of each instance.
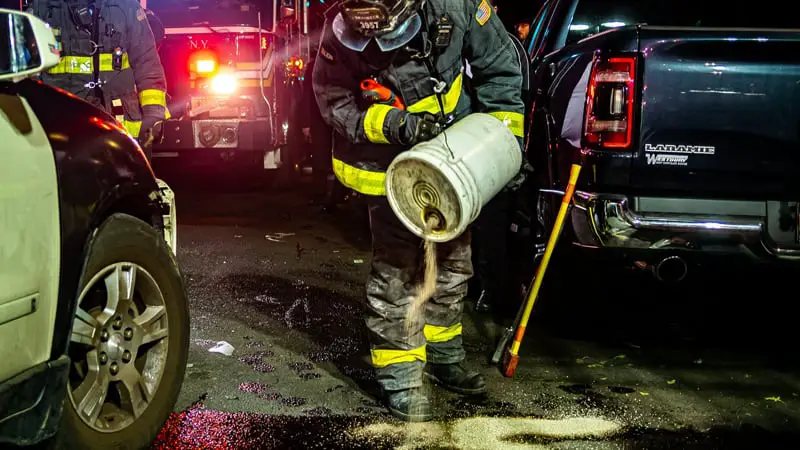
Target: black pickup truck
(686, 115)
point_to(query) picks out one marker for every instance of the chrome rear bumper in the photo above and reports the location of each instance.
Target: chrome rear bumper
(609, 221)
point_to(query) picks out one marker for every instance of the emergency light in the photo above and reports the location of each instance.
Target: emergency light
(206, 66)
(295, 66)
(224, 84)
(203, 62)
(298, 63)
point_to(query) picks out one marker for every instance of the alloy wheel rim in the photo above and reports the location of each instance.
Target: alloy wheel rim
(118, 347)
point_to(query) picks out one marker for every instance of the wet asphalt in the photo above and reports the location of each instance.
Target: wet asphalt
(612, 358)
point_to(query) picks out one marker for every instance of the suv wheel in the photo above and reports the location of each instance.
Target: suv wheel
(129, 342)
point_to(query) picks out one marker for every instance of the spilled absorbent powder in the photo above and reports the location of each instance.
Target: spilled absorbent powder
(415, 317)
(426, 290)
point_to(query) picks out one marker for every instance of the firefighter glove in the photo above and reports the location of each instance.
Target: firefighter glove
(419, 128)
(151, 128)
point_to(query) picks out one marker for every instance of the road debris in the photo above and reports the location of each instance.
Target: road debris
(278, 237)
(222, 347)
(252, 388)
(302, 301)
(256, 361)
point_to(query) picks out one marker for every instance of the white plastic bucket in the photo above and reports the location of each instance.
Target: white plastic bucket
(453, 176)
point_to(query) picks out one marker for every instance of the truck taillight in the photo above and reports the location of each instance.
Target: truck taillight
(609, 104)
(206, 66)
(224, 84)
(203, 62)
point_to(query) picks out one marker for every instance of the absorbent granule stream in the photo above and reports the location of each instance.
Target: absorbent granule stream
(426, 290)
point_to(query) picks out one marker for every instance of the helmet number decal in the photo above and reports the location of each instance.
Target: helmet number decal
(369, 25)
(368, 19)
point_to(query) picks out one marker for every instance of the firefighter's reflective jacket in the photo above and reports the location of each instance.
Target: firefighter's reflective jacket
(367, 144)
(110, 43)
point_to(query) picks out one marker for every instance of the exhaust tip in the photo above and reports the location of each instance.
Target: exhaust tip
(672, 269)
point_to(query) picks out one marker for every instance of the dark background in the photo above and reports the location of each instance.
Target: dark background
(513, 12)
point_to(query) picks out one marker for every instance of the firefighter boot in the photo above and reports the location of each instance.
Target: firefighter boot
(455, 378)
(409, 405)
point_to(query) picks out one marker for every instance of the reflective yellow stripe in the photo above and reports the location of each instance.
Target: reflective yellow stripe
(363, 181)
(254, 65)
(450, 100)
(248, 65)
(240, 83)
(153, 97)
(435, 334)
(373, 123)
(133, 127)
(383, 358)
(83, 64)
(253, 82)
(514, 121)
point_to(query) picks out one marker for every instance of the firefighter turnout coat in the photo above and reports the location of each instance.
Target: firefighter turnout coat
(110, 42)
(476, 35)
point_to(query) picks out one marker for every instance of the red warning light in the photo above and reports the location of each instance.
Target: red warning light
(295, 66)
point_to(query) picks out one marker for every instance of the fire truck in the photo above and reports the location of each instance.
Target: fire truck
(234, 72)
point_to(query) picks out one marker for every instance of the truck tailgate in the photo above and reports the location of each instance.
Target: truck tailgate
(720, 112)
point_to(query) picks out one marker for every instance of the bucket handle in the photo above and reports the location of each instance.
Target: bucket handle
(452, 157)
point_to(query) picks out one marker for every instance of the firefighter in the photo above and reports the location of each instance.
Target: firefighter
(159, 33)
(320, 136)
(523, 29)
(108, 58)
(417, 49)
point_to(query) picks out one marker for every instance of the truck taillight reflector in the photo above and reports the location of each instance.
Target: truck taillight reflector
(609, 103)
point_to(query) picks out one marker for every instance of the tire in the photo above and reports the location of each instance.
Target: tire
(125, 239)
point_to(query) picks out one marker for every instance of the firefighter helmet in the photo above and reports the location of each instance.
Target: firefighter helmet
(391, 23)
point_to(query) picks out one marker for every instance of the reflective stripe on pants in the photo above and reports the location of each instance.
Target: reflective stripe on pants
(434, 334)
(437, 334)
